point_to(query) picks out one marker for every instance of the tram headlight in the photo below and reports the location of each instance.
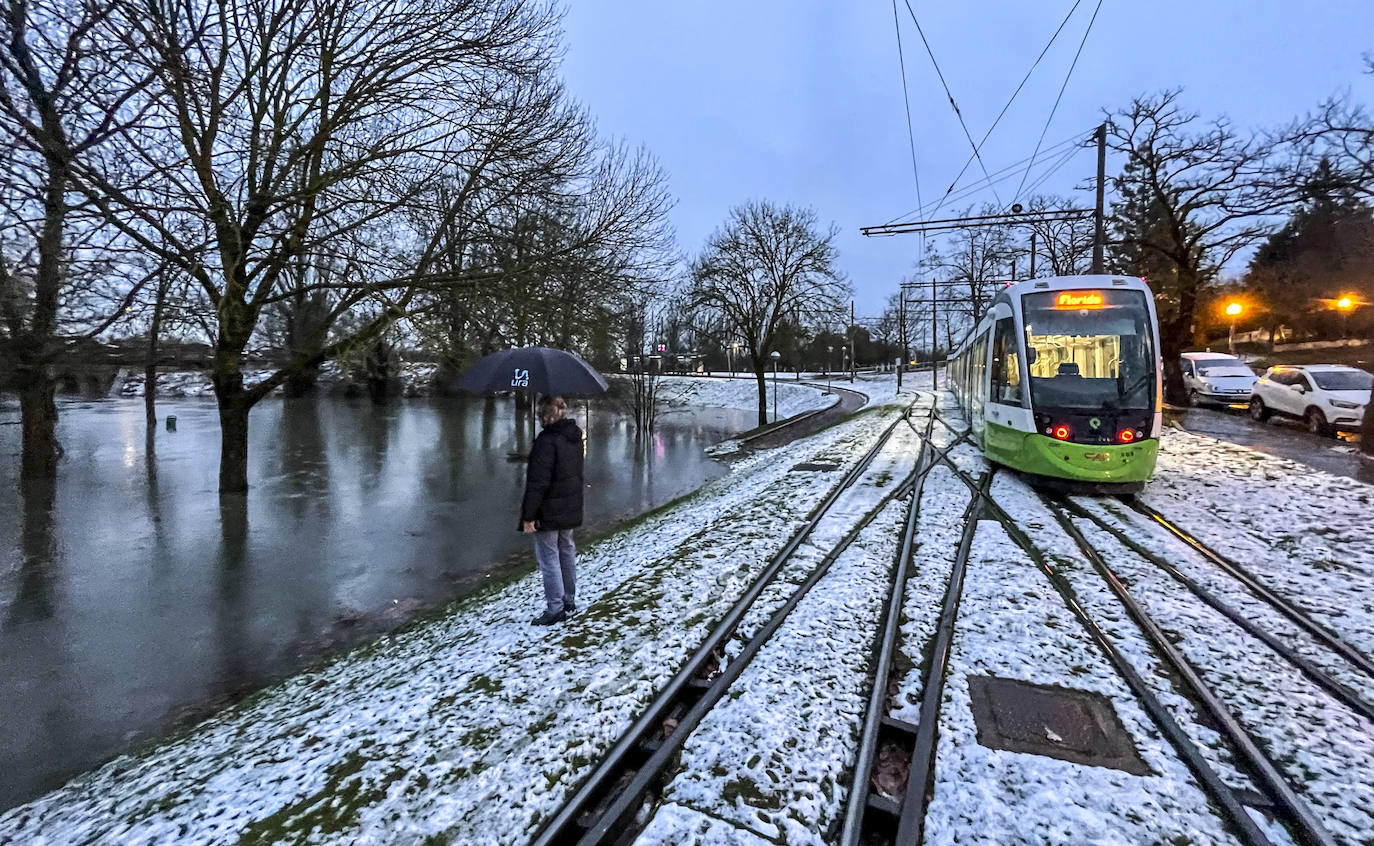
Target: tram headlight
(1126, 436)
(1062, 432)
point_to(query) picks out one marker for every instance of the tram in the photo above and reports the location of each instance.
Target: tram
(1060, 380)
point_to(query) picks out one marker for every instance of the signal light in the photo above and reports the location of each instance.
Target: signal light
(1061, 432)
(1126, 436)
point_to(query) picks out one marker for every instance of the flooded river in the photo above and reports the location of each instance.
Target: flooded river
(132, 598)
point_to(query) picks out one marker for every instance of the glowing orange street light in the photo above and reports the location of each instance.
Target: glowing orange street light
(1345, 304)
(1233, 311)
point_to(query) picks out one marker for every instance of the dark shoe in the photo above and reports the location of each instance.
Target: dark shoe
(569, 608)
(547, 619)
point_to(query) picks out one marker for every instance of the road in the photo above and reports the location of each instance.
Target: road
(1339, 456)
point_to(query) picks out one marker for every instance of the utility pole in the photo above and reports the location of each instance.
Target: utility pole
(1032, 267)
(934, 336)
(1099, 214)
(901, 333)
(852, 333)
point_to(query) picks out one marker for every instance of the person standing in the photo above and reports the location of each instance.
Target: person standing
(552, 507)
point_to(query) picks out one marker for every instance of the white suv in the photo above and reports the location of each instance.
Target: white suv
(1324, 396)
(1215, 377)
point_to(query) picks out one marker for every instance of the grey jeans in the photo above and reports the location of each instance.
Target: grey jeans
(557, 557)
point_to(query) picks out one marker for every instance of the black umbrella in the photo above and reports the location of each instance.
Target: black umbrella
(540, 369)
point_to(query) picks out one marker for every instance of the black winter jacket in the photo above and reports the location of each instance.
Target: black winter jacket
(553, 481)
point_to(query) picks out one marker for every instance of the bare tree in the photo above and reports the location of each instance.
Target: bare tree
(65, 89)
(1062, 247)
(765, 265)
(1191, 197)
(300, 126)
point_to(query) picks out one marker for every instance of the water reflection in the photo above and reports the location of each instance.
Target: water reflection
(38, 557)
(132, 595)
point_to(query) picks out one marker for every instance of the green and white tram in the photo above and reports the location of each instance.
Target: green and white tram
(1061, 379)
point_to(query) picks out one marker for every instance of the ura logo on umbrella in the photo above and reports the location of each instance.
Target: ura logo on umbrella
(521, 380)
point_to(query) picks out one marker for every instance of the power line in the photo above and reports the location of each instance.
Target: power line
(1010, 100)
(1047, 154)
(910, 133)
(950, 95)
(1055, 108)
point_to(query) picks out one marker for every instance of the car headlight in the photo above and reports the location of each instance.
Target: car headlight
(1208, 386)
(1335, 403)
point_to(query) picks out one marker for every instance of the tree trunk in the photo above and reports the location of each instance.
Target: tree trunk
(234, 405)
(1173, 338)
(150, 366)
(762, 376)
(38, 413)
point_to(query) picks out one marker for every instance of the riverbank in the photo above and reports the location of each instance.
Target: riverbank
(136, 604)
(453, 724)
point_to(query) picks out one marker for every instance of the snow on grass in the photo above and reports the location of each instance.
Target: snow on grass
(1035, 519)
(1305, 534)
(770, 758)
(1012, 624)
(1325, 749)
(472, 726)
(743, 394)
(894, 463)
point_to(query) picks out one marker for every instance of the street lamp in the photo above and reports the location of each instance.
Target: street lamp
(1233, 311)
(829, 365)
(734, 351)
(775, 355)
(1345, 304)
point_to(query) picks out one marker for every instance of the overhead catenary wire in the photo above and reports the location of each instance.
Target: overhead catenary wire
(939, 73)
(1060, 96)
(1010, 100)
(910, 132)
(1001, 175)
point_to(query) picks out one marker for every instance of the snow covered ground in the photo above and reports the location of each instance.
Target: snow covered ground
(473, 726)
(416, 380)
(742, 394)
(772, 758)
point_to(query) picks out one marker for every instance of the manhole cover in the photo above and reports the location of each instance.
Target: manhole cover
(1057, 722)
(814, 467)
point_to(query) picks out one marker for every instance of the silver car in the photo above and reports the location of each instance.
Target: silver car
(1216, 378)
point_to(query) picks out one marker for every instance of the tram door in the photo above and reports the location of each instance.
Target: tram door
(978, 383)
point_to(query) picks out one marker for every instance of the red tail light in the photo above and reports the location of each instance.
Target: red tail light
(1126, 436)
(1061, 432)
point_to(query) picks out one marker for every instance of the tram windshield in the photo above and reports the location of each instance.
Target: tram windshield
(1091, 350)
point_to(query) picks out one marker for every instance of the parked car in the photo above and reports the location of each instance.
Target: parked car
(1216, 377)
(1326, 397)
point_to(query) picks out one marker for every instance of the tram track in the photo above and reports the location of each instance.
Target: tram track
(1257, 588)
(638, 766)
(918, 786)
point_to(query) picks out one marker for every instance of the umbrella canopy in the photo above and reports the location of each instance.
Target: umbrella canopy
(541, 369)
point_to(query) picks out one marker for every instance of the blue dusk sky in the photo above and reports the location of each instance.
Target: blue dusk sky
(801, 102)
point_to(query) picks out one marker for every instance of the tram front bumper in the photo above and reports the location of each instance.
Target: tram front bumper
(1046, 456)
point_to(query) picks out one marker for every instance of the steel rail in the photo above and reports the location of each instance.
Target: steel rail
(628, 753)
(885, 646)
(1278, 603)
(1293, 808)
(1220, 792)
(912, 821)
(1318, 676)
(613, 821)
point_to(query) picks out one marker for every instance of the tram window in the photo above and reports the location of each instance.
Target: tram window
(1006, 365)
(1099, 358)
